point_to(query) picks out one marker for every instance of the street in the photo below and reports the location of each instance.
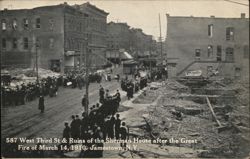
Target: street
(27, 121)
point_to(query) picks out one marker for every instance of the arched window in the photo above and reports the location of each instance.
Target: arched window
(25, 43)
(25, 23)
(51, 43)
(4, 24)
(51, 24)
(38, 23)
(14, 24)
(4, 44)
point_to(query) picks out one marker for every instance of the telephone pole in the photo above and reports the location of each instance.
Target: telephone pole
(37, 76)
(87, 51)
(160, 39)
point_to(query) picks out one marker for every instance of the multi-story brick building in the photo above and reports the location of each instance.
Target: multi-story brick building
(58, 35)
(118, 36)
(96, 33)
(208, 43)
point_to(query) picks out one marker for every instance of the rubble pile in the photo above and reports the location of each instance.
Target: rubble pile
(178, 117)
(30, 72)
(28, 75)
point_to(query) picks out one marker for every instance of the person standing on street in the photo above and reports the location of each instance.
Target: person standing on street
(41, 104)
(101, 94)
(117, 126)
(66, 133)
(124, 134)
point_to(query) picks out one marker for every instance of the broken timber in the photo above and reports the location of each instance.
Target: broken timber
(211, 109)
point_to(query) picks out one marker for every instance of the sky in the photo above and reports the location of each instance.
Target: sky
(144, 14)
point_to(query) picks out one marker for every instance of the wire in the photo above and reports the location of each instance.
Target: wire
(237, 3)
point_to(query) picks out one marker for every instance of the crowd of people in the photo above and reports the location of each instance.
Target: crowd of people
(78, 80)
(20, 94)
(101, 123)
(132, 86)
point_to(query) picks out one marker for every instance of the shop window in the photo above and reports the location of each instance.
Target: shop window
(210, 51)
(229, 33)
(25, 43)
(229, 54)
(4, 24)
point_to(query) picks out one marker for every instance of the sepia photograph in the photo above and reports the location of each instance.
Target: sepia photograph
(124, 78)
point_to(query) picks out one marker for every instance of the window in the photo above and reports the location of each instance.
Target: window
(197, 54)
(14, 43)
(219, 51)
(229, 54)
(210, 30)
(210, 51)
(4, 45)
(51, 24)
(25, 24)
(4, 25)
(237, 72)
(246, 51)
(14, 24)
(51, 43)
(37, 43)
(230, 33)
(38, 23)
(25, 43)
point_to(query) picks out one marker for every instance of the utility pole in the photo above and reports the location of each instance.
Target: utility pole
(160, 39)
(36, 46)
(87, 51)
(150, 56)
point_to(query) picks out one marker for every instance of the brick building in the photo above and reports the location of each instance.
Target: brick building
(118, 36)
(96, 30)
(208, 43)
(58, 35)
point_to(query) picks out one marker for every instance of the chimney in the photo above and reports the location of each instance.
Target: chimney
(243, 15)
(167, 15)
(65, 3)
(5, 9)
(212, 16)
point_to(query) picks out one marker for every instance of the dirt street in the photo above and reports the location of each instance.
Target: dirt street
(27, 121)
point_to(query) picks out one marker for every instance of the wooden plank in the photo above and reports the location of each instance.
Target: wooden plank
(212, 110)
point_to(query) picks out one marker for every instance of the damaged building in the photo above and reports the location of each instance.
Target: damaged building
(209, 44)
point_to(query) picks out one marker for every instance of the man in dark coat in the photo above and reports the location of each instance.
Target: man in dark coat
(78, 126)
(124, 134)
(101, 94)
(111, 127)
(117, 126)
(41, 104)
(66, 132)
(73, 126)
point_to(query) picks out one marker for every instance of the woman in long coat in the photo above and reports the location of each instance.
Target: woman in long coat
(41, 104)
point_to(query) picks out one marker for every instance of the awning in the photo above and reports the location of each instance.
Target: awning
(123, 55)
(71, 53)
(126, 55)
